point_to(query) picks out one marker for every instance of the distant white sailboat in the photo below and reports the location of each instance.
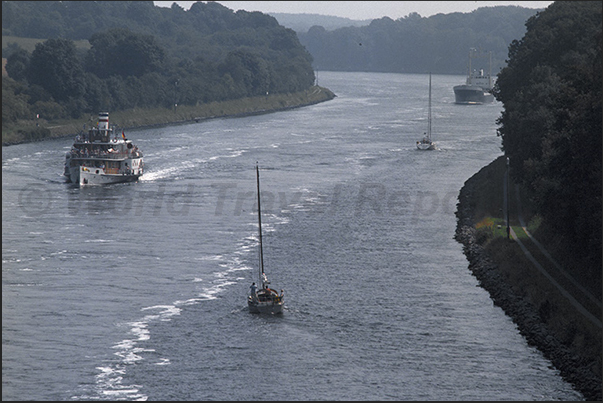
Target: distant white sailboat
(425, 143)
(264, 299)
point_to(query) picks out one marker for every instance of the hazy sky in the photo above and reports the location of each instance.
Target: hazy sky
(363, 10)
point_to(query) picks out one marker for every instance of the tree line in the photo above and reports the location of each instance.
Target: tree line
(143, 56)
(551, 124)
(414, 44)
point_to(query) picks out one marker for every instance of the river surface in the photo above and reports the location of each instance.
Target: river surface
(138, 291)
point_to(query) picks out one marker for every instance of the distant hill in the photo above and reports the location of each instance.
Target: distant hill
(414, 44)
(303, 22)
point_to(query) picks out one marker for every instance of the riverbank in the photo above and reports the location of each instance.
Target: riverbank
(40, 129)
(542, 314)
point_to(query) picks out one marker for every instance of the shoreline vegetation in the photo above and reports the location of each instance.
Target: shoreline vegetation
(138, 118)
(543, 314)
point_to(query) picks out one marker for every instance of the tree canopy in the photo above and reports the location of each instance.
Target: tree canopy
(144, 56)
(551, 124)
(55, 67)
(122, 52)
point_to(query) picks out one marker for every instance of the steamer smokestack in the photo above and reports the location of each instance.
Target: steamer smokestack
(103, 121)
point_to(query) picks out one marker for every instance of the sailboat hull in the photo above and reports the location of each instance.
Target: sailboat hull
(265, 307)
(265, 300)
(425, 146)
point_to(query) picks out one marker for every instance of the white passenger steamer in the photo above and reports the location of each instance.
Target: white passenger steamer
(101, 157)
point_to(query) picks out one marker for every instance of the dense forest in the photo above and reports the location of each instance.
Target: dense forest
(551, 125)
(143, 56)
(416, 44)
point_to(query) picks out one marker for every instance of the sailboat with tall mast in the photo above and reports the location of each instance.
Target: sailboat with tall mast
(264, 299)
(426, 143)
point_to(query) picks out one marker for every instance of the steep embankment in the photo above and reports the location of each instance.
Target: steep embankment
(543, 317)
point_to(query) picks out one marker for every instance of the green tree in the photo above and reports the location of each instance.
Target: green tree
(166, 56)
(17, 64)
(552, 120)
(249, 71)
(122, 52)
(14, 101)
(97, 96)
(55, 67)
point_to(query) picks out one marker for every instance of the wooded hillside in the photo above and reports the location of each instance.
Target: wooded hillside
(416, 44)
(142, 56)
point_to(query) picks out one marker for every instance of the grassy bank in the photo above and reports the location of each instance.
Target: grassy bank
(34, 130)
(555, 325)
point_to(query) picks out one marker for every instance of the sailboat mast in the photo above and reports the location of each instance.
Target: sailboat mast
(490, 70)
(257, 170)
(429, 111)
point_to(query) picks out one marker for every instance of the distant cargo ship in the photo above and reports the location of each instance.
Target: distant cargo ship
(478, 88)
